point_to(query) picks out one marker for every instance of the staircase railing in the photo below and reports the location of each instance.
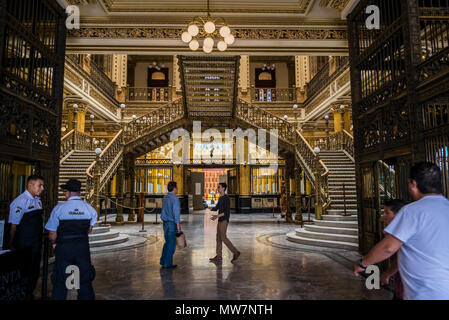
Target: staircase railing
(263, 119)
(103, 168)
(341, 140)
(315, 169)
(153, 120)
(77, 140)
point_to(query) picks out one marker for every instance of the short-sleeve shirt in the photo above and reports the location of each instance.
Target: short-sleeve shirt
(423, 259)
(24, 203)
(72, 209)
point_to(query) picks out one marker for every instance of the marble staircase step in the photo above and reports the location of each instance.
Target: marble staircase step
(104, 235)
(334, 230)
(101, 229)
(302, 232)
(293, 237)
(336, 217)
(337, 224)
(333, 211)
(107, 242)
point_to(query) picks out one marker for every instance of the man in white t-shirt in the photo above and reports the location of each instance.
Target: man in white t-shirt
(420, 232)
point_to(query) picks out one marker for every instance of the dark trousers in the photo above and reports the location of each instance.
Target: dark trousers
(76, 254)
(170, 244)
(222, 227)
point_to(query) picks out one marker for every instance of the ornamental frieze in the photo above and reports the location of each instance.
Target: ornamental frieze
(240, 33)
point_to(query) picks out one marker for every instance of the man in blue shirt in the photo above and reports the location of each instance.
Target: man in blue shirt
(69, 225)
(419, 233)
(171, 216)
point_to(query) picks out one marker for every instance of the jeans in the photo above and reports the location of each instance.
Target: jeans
(168, 251)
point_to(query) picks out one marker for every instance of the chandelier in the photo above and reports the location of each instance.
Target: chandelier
(208, 30)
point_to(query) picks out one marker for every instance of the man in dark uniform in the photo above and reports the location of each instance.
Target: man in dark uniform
(69, 226)
(25, 216)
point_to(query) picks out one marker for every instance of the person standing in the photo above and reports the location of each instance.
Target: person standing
(224, 210)
(420, 233)
(69, 226)
(171, 217)
(391, 209)
(25, 216)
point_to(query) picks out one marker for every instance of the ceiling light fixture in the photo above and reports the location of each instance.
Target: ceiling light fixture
(210, 31)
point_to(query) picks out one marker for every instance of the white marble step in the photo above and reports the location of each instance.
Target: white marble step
(337, 224)
(107, 242)
(104, 235)
(334, 230)
(322, 243)
(101, 229)
(336, 217)
(302, 232)
(340, 211)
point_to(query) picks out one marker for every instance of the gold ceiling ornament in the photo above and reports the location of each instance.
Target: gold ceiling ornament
(208, 30)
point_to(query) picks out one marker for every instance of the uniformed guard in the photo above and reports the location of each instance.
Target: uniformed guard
(69, 226)
(25, 216)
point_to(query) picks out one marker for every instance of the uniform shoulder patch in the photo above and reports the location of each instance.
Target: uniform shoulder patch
(18, 209)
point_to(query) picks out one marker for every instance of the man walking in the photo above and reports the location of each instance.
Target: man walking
(171, 217)
(419, 233)
(224, 210)
(25, 216)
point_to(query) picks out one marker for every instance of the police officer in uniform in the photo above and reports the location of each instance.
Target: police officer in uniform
(25, 216)
(69, 225)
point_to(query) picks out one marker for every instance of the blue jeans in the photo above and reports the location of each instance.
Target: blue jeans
(170, 244)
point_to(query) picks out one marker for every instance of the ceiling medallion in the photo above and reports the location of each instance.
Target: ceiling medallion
(208, 30)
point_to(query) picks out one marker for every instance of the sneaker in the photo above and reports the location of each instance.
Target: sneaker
(236, 256)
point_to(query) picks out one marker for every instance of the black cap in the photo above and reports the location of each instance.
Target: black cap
(72, 185)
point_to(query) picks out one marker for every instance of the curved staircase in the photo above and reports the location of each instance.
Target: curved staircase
(102, 236)
(335, 230)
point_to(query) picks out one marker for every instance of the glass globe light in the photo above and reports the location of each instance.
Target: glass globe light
(75, 106)
(225, 31)
(209, 27)
(134, 116)
(221, 45)
(193, 30)
(98, 151)
(342, 107)
(208, 42)
(285, 117)
(122, 106)
(326, 117)
(207, 49)
(92, 116)
(186, 37)
(295, 106)
(317, 150)
(229, 39)
(194, 45)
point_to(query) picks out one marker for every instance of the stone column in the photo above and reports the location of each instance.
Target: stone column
(176, 75)
(302, 76)
(132, 177)
(119, 74)
(298, 216)
(244, 74)
(120, 184)
(288, 174)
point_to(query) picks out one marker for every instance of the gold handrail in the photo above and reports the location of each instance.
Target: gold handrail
(102, 153)
(67, 134)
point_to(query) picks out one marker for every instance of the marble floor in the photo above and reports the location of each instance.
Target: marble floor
(269, 267)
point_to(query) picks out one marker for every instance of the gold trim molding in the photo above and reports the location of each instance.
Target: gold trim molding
(240, 33)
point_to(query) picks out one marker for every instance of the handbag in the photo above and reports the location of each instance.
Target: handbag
(181, 240)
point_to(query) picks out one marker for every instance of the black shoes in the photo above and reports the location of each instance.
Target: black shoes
(170, 267)
(216, 259)
(236, 256)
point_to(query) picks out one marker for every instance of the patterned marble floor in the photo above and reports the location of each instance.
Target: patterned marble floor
(269, 268)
